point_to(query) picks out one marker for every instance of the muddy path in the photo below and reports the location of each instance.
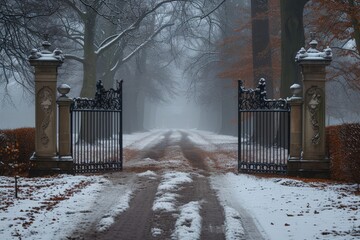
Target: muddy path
(139, 221)
(136, 221)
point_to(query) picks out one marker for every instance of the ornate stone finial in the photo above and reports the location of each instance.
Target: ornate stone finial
(295, 89)
(46, 44)
(64, 89)
(58, 54)
(313, 44)
(328, 53)
(34, 54)
(313, 54)
(46, 54)
(262, 88)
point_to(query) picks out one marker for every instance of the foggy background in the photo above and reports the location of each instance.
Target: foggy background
(180, 65)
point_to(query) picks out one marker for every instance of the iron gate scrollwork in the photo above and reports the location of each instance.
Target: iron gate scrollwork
(263, 130)
(96, 126)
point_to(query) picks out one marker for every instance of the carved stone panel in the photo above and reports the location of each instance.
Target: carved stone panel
(314, 98)
(46, 102)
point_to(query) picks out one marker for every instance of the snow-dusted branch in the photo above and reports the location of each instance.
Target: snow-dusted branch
(72, 4)
(110, 41)
(114, 39)
(146, 42)
(213, 10)
(74, 57)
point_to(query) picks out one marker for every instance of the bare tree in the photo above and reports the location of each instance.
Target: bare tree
(208, 70)
(123, 40)
(18, 33)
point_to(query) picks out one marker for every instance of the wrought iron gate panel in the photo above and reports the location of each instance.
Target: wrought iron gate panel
(263, 131)
(96, 126)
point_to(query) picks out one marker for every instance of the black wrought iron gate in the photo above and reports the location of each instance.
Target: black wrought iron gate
(264, 128)
(96, 126)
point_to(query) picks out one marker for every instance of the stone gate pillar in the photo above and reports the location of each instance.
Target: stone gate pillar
(314, 161)
(64, 133)
(296, 103)
(44, 160)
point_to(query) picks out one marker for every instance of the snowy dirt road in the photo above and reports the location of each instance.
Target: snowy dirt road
(175, 199)
(178, 185)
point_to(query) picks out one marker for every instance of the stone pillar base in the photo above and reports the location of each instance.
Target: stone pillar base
(309, 168)
(42, 166)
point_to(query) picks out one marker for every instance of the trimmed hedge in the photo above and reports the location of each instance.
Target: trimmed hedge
(344, 149)
(16, 148)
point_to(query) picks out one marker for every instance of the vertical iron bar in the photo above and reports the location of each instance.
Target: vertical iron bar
(72, 138)
(74, 142)
(262, 137)
(255, 138)
(106, 140)
(288, 134)
(247, 152)
(283, 138)
(99, 135)
(85, 123)
(278, 147)
(98, 149)
(251, 125)
(88, 137)
(282, 135)
(121, 123)
(99, 117)
(269, 135)
(88, 125)
(276, 123)
(239, 126)
(95, 133)
(77, 146)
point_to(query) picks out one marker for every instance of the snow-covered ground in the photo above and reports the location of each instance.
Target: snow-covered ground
(291, 209)
(46, 208)
(282, 208)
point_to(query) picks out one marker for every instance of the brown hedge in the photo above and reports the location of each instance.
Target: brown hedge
(17, 149)
(344, 149)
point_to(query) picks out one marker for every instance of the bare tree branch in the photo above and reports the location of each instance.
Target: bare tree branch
(213, 10)
(146, 42)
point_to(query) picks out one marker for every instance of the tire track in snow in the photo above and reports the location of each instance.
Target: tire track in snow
(211, 211)
(136, 221)
(219, 155)
(153, 150)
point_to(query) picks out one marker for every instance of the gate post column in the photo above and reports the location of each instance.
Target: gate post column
(64, 135)
(314, 161)
(45, 160)
(296, 103)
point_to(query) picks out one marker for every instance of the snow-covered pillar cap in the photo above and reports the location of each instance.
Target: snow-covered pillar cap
(46, 54)
(313, 54)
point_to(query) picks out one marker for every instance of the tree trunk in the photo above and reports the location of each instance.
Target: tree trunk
(355, 24)
(141, 77)
(228, 108)
(89, 78)
(262, 65)
(292, 39)
(228, 92)
(87, 129)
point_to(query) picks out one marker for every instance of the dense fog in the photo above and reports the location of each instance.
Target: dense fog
(180, 62)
